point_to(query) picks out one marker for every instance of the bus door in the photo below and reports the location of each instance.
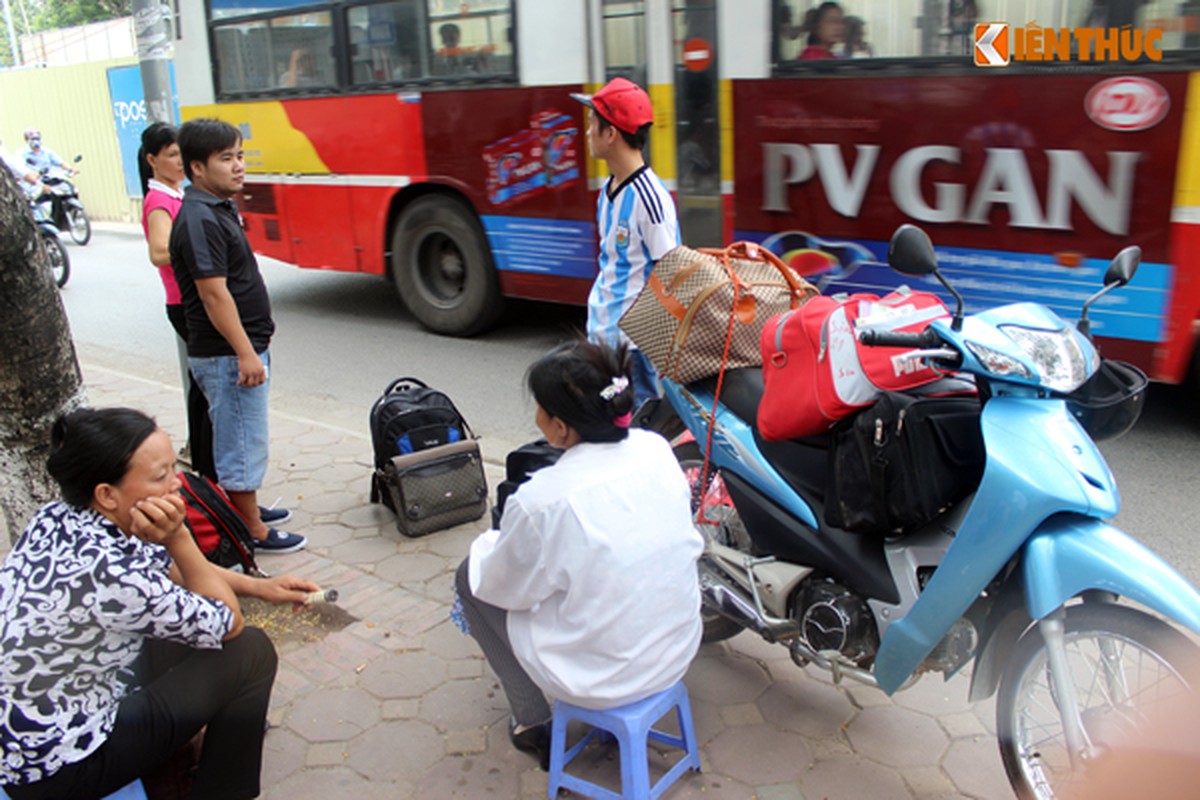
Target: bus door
(697, 127)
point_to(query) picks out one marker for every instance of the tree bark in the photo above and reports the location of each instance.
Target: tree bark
(39, 373)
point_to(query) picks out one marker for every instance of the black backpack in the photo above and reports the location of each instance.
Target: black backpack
(519, 467)
(407, 418)
(218, 528)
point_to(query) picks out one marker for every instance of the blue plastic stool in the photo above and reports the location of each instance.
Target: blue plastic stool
(631, 725)
(130, 791)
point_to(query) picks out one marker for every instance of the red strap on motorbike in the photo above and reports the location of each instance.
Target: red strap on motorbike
(712, 421)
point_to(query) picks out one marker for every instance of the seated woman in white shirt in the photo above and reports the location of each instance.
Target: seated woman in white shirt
(588, 592)
(119, 640)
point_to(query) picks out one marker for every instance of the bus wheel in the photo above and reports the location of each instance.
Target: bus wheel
(443, 268)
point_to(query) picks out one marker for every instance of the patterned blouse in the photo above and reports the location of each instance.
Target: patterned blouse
(77, 599)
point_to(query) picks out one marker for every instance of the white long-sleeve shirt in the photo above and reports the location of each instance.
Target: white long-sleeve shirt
(595, 561)
(14, 164)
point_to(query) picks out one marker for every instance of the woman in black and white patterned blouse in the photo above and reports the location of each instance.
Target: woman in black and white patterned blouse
(119, 640)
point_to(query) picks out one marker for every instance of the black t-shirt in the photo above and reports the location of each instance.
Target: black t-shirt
(207, 242)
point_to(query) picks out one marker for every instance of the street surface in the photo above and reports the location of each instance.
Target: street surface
(342, 337)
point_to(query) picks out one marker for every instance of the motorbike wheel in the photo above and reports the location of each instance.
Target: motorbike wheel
(60, 263)
(1126, 665)
(78, 225)
(716, 627)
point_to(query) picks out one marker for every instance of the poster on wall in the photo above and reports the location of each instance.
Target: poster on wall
(129, 116)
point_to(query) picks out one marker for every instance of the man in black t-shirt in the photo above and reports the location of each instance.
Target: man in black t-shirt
(228, 319)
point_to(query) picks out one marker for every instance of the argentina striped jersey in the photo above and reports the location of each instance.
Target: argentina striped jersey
(637, 225)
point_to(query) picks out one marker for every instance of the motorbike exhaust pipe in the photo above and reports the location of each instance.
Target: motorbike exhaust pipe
(731, 602)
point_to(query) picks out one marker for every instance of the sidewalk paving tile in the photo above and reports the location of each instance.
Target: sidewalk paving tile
(853, 777)
(897, 736)
(758, 754)
(400, 704)
(975, 767)
(807, 708)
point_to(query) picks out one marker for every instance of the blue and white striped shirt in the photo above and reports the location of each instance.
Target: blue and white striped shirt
(637, 226)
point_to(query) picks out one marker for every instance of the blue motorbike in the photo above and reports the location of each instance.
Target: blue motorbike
(1020, 579)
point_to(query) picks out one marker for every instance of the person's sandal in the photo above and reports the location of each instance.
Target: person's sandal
(534, 740)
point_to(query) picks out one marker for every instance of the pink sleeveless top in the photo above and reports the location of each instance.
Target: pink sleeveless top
(157, 198)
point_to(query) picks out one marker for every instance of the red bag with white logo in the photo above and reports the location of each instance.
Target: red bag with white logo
(815, 371)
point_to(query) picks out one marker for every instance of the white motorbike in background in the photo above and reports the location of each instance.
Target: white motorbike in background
(61, 205)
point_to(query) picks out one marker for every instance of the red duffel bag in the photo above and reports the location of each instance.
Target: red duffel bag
(815, 371)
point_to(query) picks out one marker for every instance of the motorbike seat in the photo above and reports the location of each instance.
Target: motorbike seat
(741, 391)
(803, 463)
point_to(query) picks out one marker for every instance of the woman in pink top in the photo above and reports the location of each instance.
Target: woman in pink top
(161, 168)
(826, 28)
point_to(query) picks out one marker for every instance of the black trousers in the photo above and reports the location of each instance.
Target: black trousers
(200, 432)
(183, 689)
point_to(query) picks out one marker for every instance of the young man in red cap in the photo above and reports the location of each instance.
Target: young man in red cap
(635, 217)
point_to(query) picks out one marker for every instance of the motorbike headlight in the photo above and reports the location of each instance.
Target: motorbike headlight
(1060, 361)
(998, 363)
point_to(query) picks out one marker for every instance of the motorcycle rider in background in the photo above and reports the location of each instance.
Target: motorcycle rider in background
(40, 158)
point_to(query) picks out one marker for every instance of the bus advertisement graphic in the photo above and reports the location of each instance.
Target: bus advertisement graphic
(1017, 209)
(540, 157)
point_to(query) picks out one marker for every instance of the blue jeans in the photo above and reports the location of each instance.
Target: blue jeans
(239, 421)
(644, 376)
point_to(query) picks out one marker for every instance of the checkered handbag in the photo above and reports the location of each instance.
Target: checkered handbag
(703, 311)
(437, 487)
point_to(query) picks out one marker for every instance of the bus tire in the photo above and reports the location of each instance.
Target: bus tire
(442, 267)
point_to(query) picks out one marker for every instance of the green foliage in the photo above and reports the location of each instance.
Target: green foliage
(68, 13)
(48, 15)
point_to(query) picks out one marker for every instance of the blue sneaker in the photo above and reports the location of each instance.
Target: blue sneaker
(274, 516)
(278, 541)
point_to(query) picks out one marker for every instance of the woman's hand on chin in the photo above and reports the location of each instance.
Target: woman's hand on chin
(157, 520)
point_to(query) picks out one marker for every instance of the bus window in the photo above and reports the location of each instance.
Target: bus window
(224, 9)
(385, 42)
(851, 29)
(473, 40)
(625, 40)
(916, 28)
(289, 52)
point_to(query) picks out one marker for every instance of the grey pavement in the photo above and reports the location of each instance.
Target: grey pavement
(399, 704)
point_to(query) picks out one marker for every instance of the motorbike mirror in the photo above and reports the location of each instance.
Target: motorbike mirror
(1124, 266)
(1119, 273)
(910, 252)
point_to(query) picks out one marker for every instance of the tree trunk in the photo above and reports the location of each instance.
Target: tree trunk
(39, 374)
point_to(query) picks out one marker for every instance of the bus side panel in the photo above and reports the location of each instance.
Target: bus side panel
(366, 135)
(320, 224)
(1174, 360)
(369, 209)
(518, 156)
(372, 146)
(1021, 180)
(331, 168)
(1179, 352)
(260, 205)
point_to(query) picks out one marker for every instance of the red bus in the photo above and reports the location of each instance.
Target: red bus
(433, 142)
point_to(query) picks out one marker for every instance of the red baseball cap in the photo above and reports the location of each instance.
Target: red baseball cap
(622, 102)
